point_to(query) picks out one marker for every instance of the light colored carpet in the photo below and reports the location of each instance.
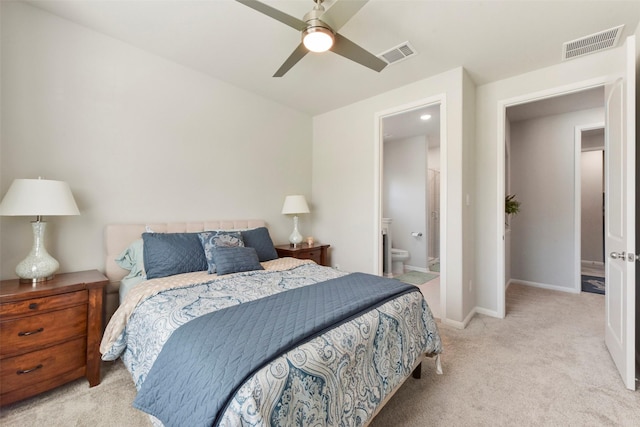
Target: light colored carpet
(416, 277)
(544, 365)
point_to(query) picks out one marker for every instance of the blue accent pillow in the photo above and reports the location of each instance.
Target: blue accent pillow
(166, 254)
(260, 240)
(212, 239)
(230, 259)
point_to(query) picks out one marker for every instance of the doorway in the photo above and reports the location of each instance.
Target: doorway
(411, 188)
(412, 180)
(542, 170)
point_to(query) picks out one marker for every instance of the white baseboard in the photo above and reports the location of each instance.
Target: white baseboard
(487, 312)
(464, 323)
(545, 286)
(587, 263)
(411, 267)
(454, 323)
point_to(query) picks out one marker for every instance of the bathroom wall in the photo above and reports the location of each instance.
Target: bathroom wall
(405, 196)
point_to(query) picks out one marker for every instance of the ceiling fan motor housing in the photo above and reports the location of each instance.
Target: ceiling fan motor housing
(312, 18)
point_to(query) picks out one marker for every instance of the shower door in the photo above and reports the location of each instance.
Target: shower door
(433, 183)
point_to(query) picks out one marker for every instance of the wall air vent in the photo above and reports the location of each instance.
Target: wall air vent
(398, 53)
(590, 44)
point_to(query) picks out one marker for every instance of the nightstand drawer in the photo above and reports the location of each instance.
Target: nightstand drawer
(38, 305)
(32, 332)
(315, 255)
(38, 366)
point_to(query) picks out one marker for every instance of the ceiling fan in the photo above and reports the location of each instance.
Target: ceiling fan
(320, 32)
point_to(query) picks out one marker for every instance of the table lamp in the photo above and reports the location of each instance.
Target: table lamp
(38, 197)
(294, 205)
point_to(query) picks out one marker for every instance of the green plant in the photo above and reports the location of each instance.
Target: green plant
(511, 205)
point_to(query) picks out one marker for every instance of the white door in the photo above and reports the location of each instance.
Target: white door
(620, 220)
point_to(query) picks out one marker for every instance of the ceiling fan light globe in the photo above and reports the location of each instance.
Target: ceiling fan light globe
(317, 39)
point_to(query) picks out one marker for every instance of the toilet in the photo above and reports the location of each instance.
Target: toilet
(394, 259)
(398, 258)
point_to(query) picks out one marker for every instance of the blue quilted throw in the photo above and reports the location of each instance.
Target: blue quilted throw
(206, 360)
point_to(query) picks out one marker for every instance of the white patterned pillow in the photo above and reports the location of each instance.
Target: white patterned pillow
(213, 239)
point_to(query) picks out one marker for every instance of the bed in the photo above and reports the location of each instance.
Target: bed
(252, 339)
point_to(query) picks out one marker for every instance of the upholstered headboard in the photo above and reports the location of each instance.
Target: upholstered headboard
(118, 237)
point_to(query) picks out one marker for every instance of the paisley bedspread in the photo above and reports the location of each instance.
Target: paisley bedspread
(338, 378)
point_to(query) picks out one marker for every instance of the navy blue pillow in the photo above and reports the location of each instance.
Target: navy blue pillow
(235, 259)
(259, 239)
(166, 254)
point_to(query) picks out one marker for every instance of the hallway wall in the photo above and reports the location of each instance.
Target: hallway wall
(591, 224)
(542, 176)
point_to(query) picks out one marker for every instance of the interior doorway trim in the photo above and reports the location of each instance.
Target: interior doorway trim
(378, 186)
(500, 154)
(577, 212)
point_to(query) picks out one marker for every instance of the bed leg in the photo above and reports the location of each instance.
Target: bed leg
(417, 373)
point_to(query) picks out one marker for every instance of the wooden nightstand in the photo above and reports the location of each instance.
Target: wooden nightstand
(49, 333)
(317, 253)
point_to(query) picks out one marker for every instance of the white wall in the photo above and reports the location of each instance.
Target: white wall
(344, 183)
(489, 190)
(543, 178)
(591, 223)
(468, 197)
(138, 138)
(405, 195)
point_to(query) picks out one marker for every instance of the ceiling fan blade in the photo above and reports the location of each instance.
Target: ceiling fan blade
(275, 14)
(341, 11)
(292, 60)
(345, 47)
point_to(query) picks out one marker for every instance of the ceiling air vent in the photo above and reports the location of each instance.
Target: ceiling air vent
(398, 53)
(591, 44)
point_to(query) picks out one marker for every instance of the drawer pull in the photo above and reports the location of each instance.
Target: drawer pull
(26, 371)
(33, 306)
(26, 334)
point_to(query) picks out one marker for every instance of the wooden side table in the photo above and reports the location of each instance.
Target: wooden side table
(49, 333)
(317, 253)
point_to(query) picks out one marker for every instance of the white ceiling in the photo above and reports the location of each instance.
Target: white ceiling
(492, 40)
(408, 124)
(583, 100)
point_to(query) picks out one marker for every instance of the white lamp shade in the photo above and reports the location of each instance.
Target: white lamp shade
(38, 197)
(295, 205)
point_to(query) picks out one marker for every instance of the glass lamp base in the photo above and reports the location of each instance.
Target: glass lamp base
(38, 266)
(295, 238)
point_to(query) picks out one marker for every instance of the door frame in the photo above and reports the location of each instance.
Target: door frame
(500, 155)
(440, 99)
(577, 212)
